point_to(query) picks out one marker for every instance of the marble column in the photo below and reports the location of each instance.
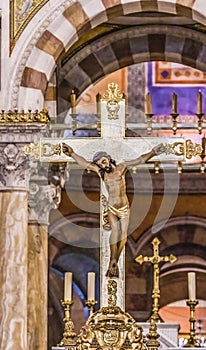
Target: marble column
(15, 170)
(42, 198)
(13, 262)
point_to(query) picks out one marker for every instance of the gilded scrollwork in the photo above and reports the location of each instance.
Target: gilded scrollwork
(33, 149)
(187, 148)
(113, 96)
(49, 149)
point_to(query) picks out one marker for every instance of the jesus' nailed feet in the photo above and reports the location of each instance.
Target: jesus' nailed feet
(113, 270)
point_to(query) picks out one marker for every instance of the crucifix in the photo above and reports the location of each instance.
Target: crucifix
(156, 259)
(112, 141)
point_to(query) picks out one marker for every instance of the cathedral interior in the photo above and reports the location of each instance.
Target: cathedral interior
(59, 57)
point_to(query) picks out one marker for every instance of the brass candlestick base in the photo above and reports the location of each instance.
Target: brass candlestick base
(69, 333)
(152, 342)
(192, 341)
(91, 304)
(149, 122)
(199, 123)
(174, 122)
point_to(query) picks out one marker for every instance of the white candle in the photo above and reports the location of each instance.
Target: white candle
(91, 286)
(68, 286)
(191, 285)
(148, 104)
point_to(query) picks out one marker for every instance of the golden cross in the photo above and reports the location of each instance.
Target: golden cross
(155, 260)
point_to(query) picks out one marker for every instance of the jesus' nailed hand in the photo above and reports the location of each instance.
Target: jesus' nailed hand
(113, 176)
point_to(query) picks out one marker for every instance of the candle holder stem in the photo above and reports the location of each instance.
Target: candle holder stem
(74, 123)
(192, 341)
(91, 304)
(149, 122)
(68, 333)
(174, 122)
(199, 123)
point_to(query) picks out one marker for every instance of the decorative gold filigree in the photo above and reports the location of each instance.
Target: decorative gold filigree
(33, 150)
(113, 96)
(189, 149)
(22, 117)
(112, 293)
(111, 329)
(49, 149)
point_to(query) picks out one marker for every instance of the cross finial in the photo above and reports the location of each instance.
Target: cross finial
(155, 260)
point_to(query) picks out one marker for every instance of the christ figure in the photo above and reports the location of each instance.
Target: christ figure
(118, 207)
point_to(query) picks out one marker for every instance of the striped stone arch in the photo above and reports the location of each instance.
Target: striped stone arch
(169, 235)
(131, 46)
(81, 16)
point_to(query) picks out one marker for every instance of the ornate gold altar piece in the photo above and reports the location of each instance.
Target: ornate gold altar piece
(155, 260)
(113, 96)
(24, 117)
(111, 328)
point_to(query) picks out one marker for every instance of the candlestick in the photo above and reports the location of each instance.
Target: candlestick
(174, 103)
(69, 332)
(148, 104)
(192, 341)
(199, 102)
(68, 286)
(191, 285)
(174, 122)
(91, 286)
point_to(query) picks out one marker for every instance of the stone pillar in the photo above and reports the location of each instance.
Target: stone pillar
(14, 242)
(13, 261)
(42, 198)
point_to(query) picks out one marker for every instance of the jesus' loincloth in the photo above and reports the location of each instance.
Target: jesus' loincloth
(121, 213)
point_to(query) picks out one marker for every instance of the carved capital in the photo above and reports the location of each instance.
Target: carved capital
(42, 198)
(44, 192)
(13, 166)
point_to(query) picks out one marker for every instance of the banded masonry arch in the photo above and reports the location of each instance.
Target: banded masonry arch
(79, 18)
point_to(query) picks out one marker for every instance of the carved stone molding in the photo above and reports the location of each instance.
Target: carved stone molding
(22, 133)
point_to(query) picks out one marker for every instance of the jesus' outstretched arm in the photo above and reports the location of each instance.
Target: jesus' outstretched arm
(145, 157)
(68, 150)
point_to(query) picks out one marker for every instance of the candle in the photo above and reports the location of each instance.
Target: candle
(98, 100)
(174, 103)
(73, 102)
(91, 286)
(148, 104)
(191, 286)
(199, 103)
(68, 286)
